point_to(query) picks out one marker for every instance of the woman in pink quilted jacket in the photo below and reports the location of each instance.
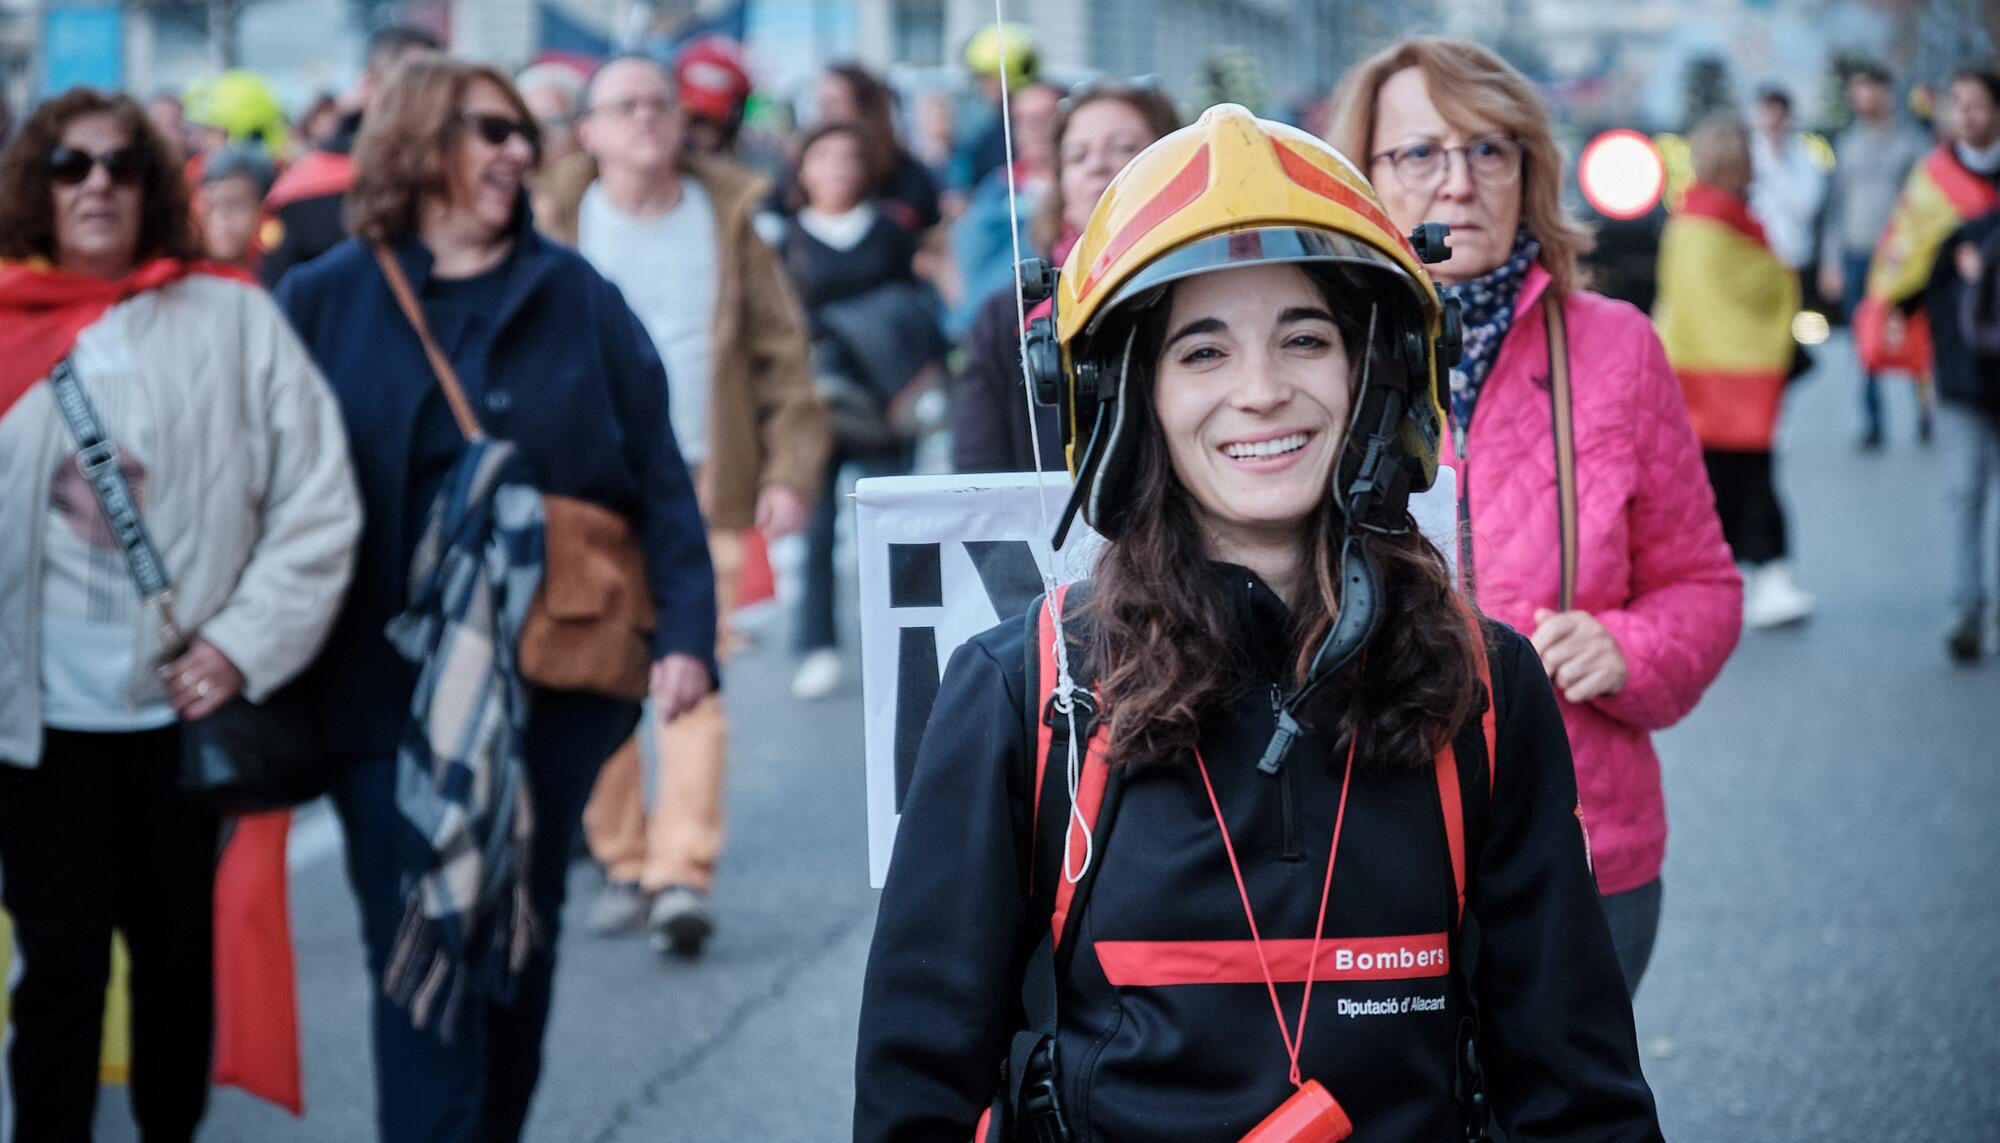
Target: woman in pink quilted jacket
(1450, 133)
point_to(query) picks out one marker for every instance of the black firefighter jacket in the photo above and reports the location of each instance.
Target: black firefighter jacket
(1162, 1038)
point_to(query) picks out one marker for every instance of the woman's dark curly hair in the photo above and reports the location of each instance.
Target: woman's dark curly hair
(27, 199)
(1160, 630)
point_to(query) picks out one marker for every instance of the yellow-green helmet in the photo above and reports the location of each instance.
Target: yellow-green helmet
(983, 55)
(240, 104)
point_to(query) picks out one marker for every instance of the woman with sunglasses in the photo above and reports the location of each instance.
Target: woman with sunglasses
(1098, 130)
(229, 443)
(1213, 872)
(551, 360)
(1637, 619)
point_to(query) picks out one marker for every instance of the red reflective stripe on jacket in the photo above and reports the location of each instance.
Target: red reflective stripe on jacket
(1163, 964)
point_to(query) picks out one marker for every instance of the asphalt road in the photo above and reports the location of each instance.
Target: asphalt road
(1825, 970)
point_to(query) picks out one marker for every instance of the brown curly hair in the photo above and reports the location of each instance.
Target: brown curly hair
(1175, 658)
(403, 154)
(27, 198)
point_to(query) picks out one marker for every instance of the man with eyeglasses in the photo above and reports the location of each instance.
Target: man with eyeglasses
(304, 213)
(674, 231)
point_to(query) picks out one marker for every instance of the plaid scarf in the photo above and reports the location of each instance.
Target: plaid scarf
(460, 775)
(1486, 309)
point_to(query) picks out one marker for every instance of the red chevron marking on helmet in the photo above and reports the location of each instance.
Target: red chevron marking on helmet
(1179, 193)
(1307, 174)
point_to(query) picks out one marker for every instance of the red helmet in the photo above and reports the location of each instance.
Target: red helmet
(713, 83)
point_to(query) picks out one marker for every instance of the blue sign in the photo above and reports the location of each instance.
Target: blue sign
(82, 46)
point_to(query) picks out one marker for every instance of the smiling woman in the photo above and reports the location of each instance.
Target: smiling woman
(1280, 674)
(448, 282)
(109, 330)
(1640, 617)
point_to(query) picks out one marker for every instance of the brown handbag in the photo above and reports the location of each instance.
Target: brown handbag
(590, 626)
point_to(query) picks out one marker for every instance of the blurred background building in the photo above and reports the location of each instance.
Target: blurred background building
(1629, 61)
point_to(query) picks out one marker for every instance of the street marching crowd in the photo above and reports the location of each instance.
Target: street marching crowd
(341, 457)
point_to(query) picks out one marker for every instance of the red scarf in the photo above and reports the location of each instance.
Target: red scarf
(43, 309)
(1733, 211)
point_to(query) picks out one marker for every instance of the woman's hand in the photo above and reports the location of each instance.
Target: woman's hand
(678, 682)
(201, 681)
(1969, 262)
(780, 511)
(1579, 654)
(1895, 328)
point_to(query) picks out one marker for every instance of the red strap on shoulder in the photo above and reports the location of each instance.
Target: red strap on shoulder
(1447, 768)
(1045, 639)
(1094, 771)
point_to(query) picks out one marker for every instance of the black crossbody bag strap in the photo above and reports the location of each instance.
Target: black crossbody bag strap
(1475, 785)
(97, 459)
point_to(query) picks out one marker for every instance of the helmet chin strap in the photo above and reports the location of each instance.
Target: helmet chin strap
(1102, 431)
(1359, 608)
(1353, 626)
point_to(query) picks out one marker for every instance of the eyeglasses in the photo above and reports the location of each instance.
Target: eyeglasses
(1493, 161)
(659, 105)
(497, 129)
(70, 166)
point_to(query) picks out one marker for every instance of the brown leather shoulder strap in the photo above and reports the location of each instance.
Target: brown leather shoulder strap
(1565, 434)
(447, 378)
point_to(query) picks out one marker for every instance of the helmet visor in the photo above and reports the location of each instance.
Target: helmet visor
(1284, 245)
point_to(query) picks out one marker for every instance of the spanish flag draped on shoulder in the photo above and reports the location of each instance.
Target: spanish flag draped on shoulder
(1939, 196)
(1724, 312)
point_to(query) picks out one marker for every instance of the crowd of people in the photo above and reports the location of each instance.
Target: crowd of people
(518, 374)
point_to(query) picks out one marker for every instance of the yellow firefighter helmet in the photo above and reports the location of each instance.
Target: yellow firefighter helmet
(1234, 190)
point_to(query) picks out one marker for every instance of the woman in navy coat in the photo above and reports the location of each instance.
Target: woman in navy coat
(552, 360)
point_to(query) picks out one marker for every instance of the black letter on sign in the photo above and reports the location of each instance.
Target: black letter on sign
(916, 693)
(1008, 572)
(916, 579)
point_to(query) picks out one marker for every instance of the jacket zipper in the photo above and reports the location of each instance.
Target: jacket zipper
(1288, 806)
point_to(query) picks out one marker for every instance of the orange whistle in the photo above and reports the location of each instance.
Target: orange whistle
(1312, 1115)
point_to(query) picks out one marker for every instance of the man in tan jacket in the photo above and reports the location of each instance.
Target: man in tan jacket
(674, 232)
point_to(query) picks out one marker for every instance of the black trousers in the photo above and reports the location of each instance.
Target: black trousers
(98, 838)
(1746, 498)
(816, 626)
(477, 1086)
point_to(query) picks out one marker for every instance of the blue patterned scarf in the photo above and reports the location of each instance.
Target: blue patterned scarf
(461, 776)
(1486, 307)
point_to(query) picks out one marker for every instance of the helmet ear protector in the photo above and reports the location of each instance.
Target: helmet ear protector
(1392, 441)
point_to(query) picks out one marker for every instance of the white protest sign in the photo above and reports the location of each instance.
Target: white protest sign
(946, 557)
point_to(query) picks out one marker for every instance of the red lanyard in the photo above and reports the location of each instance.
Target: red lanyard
(1292, 1042)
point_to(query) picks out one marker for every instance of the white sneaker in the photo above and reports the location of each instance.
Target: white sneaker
(680, 921)
(619, 908)
(818, 675)
(1772, 599)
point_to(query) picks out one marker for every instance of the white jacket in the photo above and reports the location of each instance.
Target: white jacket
(251, 501)
(1785, 195)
